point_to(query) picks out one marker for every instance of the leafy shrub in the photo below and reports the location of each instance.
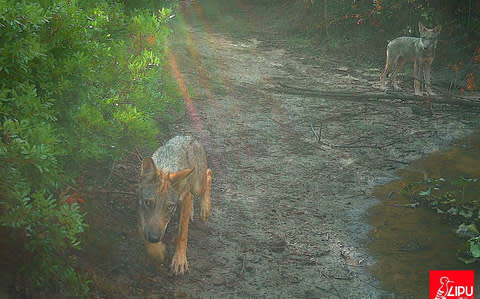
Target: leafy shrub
(81, 83)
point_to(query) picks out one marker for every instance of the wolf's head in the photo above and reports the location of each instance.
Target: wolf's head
(428, 37)
(157, 199)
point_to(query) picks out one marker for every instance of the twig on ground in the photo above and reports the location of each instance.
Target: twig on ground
(397, 161)
(107, 180)
(240, 275)
(315, 133)
(120, 192)
(138, 155)
(331, 284)
(350, 146)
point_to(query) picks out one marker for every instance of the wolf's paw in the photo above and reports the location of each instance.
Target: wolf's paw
(205, 208)
(179, 264)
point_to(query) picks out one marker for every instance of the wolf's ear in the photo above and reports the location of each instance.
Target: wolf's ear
(149, 170)
(437, 29)
(421, 27)
(176, 177)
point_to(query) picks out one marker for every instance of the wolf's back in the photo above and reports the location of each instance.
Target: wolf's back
(182, 152)
(403, 46)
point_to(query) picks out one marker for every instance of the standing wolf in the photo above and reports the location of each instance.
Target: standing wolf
(176, 172)
(420, 50)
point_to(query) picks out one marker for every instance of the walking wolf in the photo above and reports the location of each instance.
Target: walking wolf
(176, 172)
(420, 50)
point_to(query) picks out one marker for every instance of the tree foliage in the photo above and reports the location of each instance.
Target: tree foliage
(81, 82)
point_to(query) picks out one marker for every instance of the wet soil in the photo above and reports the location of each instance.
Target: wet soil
(293, 173)
(409, 242)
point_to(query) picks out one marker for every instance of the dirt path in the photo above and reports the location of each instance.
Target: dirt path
(287, 209)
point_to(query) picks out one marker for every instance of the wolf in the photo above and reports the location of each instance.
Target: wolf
(176, 172)
(420, 50)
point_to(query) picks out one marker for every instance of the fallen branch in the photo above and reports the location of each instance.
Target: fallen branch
(373, 96)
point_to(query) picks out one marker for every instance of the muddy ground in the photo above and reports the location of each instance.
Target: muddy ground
(292, 172)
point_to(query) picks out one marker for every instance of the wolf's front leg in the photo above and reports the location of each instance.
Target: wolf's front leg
(205, 203)
(416, 76)
(426, 76)
(179, 262)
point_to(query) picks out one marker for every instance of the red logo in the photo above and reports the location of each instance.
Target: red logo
(451, 284)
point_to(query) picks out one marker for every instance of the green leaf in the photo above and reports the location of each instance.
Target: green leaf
(475, 249)
(467, 260)
(466, 213)
(425, 193)
(452, 211)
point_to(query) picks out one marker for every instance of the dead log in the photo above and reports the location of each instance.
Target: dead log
(370, 96)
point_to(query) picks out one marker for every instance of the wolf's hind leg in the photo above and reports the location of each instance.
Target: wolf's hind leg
(385, 72)
(397, 68)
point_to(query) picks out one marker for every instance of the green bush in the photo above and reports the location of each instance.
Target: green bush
(81, 83)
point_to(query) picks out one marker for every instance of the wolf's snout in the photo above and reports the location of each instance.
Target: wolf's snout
(426, 44)
(153, 237)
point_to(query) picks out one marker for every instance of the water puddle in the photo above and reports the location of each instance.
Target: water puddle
(409, 242)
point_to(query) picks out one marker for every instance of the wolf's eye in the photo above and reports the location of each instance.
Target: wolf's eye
(171, 207)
